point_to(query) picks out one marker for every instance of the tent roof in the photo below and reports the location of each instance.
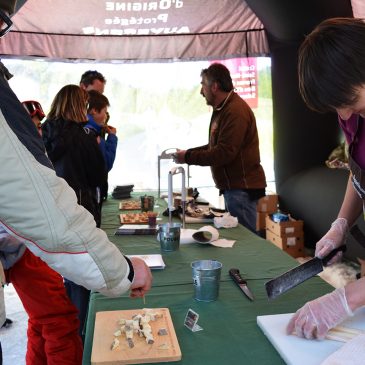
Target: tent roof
(149, 30)
(139, 30)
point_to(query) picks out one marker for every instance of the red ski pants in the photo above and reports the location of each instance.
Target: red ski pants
(53, 337)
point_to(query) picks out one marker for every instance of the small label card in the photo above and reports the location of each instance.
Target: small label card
(191, 321)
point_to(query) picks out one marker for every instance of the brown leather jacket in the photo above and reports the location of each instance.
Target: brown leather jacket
(233, 149)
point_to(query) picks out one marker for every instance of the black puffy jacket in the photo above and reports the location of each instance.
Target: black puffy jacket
(77, 158)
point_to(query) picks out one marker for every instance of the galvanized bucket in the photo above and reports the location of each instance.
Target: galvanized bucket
(206, 278)
(169, 236)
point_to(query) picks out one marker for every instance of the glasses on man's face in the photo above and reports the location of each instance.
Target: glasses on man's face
(33, 108)
(5, 23)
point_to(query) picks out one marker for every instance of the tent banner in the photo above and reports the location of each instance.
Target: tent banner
(100, 17)
(244, 77)
(135, 30)
(169, 17)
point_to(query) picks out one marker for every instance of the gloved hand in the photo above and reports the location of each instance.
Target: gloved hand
(317, 317)
(334, 238)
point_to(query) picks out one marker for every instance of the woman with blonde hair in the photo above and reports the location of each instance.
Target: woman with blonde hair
(75, 154)
(77, 158)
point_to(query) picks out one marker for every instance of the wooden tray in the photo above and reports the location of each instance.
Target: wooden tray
(130, 205)
(134, 218)
(165, 348)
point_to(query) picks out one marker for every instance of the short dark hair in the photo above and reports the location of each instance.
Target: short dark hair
(90, 76)
(331, 64)
(218, 73)
(97, 101)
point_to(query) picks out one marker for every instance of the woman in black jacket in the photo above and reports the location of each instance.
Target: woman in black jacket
(74, 151)
(77, 158)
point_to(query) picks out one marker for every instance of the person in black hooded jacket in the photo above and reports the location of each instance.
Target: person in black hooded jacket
(73, 151)
(77, 158)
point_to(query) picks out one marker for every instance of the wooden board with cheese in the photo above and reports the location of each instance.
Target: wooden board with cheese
(164, 348)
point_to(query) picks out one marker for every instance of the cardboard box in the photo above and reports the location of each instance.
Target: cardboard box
(290, 228)
(294, 246)
(268, 203)
(260, 221)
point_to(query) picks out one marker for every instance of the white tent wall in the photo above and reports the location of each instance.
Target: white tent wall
(103, 31)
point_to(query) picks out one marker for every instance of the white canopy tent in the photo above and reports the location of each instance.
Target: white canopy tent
(150, 30)
(171, 30)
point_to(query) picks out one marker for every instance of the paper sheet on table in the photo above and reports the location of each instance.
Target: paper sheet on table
(223, 243)
(351, 353)
(153, 261)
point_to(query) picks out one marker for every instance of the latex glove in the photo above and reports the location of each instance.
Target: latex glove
(317, 317)
(334, 238)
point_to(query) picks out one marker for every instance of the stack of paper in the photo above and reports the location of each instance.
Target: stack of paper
(154, 262)
(136, 229)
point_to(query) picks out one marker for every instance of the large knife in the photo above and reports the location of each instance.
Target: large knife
(242, 284)
(298, 275)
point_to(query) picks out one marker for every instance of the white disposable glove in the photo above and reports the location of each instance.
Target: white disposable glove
(317, 317)
(334, 238)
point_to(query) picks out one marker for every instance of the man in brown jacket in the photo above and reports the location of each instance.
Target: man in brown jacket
(233, 148)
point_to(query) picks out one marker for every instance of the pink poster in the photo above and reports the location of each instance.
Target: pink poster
(244, 76)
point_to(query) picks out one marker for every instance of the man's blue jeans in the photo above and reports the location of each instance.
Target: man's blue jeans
(239, 205)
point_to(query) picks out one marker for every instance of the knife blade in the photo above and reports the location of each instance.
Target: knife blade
(298, 275)
(242, 284)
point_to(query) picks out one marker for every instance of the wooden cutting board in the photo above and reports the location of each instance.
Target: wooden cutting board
(130, 205)
(165, 348)
(133, 218)
(299, 351)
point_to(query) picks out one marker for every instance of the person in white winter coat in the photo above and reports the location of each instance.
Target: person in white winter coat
(41, 210)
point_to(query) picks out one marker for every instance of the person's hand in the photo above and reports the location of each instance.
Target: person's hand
(317, 317)
(110, 130)
(179, 156)
(334, 238)
(142, 278)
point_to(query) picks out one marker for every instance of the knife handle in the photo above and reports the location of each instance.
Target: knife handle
(332, 254)
(236, 276)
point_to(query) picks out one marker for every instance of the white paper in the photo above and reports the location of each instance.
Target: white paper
(211, 236)
(352, 353)
(223, 243)
(206, 234)
(186, 236)
(152, 261)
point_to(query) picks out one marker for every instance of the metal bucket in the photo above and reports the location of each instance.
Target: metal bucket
(206, 278)
(169, 236)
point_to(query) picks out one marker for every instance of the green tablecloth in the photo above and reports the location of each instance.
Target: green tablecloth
(230, 329)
